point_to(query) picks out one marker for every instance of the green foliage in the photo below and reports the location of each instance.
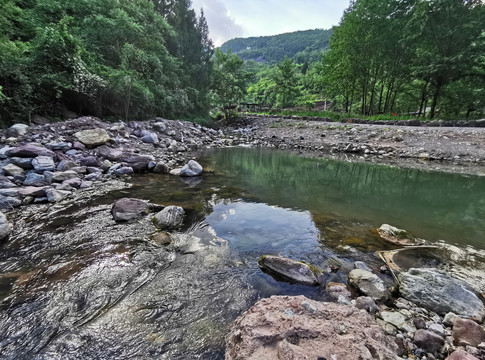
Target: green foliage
(102, 57)
(300, 46)
(403, 56)
(229, 82)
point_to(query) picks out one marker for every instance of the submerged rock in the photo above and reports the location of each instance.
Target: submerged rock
(396, 236)
(192, 168)
(127, 209)
(295, 271)
(169, 218)
(294, 327)
(439, 292)
(5, 227)
(369, 284)
(93, 137)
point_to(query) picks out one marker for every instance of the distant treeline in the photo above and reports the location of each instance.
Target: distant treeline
(300, 46)
(416, 57)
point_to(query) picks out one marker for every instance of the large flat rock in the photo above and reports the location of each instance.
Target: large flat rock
(439, 292)
(294, 327)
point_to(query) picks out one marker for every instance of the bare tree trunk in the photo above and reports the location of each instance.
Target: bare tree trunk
(435, 101)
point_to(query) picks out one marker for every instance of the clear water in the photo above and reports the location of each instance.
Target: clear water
(76, 285)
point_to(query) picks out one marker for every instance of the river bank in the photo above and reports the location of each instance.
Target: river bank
(58, 169)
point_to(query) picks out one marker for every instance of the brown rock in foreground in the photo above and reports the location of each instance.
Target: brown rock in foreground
(294, 327)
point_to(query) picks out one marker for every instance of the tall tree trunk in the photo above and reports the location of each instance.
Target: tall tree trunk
(380, 98)
(423, 97)
(435, 100)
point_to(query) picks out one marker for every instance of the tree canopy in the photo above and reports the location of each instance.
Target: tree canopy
(125, 58)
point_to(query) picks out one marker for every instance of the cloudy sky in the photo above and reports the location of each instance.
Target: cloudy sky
(228, 19)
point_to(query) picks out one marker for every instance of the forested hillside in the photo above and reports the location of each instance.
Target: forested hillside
(129, 58)
(301, 46)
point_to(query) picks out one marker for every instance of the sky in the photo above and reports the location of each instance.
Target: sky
(228, 19)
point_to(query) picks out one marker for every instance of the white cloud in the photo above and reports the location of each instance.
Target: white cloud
(222, 26)
(235, 18)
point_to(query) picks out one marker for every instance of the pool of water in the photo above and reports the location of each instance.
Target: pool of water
(76, 285)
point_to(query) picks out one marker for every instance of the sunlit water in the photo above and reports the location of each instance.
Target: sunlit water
(77, 285)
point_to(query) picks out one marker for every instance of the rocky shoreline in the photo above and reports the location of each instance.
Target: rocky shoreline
(54, 163)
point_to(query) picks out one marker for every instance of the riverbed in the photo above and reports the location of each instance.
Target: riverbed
(77, 285)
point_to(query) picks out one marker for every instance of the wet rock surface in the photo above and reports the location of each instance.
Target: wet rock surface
(438, 291)
(92, 286)
(289, 269)
(283, 327)
(127, 209)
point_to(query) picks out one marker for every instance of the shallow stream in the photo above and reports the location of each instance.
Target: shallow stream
(74, 284)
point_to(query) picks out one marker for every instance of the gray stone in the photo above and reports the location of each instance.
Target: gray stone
(192, 168)
(160, 127)
(14, 192)
(396, 236)
(13, 170)
(30, 151)
(437, 328)
(5, 227)
(34, 179)
(18, 129)
(9, 202)
(397, 319)
(66, 165)
(86, 184)
(369, 284)
(292, 270)
(362, 266)
(366, 303)
(428, 340)
(138, 162)
(93, 176)
(169, 218)
(53, 195)
(150, 138)
(175, 172)
(6, 183)
(127, 209)
(124, 170)
(450, 319)
(24, 163)
(439, 292)
(161, 168)
(60, 176)
(62, 146)
(89, 161)
(93, 137)
(74, 182)
(419, 323)
(43, 163)
(80, 169)
(32, 191)
(111, 154)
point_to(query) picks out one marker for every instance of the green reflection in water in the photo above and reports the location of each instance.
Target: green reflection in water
(431, 205)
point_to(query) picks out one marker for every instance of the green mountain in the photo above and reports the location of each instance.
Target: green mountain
(300, 46)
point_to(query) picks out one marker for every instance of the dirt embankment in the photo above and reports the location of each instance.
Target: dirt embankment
(452, 149)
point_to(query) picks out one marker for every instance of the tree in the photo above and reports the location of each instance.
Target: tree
(286, 80)
(229, 82)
